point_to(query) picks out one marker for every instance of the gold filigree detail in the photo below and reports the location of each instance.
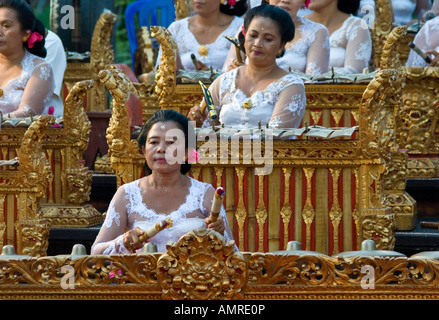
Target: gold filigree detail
(201, 266)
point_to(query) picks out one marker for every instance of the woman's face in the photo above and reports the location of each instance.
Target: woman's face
(11, 34)
(290, 6)
(164, 149)
(263, 40)
(316, 5)
(205, 6)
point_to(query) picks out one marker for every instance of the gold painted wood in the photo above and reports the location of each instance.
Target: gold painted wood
(203, 266)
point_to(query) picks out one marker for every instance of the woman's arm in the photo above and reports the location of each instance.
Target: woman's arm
(38, 90)
(289, 108)
(110, 237)
(317, 60)
(358, 49)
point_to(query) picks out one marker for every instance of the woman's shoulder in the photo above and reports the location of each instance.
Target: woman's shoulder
(179, 25)
(312, 25)
(292, 78)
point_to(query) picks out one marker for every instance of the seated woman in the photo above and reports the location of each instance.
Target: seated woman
(165, 192)
(260, 91)
(351, 43)
(427, 39)
(27, 81)
(308, 52)
(203, 34)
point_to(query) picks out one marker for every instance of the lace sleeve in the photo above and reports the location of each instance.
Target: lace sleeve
(289, 108)
(38, 90)
(110, 237)
(317, 61)
(206, 206)
(358, 49)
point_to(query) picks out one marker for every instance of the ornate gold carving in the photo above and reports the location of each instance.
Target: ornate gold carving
(26, 186)
(383, 25)
(335, 214)
(126, 159)
(101, 55)
(201, 266)
(286, 212)
(166, 76)
(261, 212)
(241, 213)
(308, 212)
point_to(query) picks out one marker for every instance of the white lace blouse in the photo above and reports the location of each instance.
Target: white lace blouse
(127, 211)
(188, 44)
(309, 51)
(281, 104)
(32, 91)
(426, 39)
(351, 47)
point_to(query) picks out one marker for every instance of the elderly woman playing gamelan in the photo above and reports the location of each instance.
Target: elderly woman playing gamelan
(165, 192)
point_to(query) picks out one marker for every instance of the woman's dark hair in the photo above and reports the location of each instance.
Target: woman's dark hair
(238, 8)
(278, 15)
(348, 6)
(28, 21)
(163, 116)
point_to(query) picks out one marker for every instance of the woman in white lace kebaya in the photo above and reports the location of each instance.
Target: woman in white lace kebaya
(427, 39)
(203, 34)
(349, 37)
(260, 91)
(165, 192)
(307, 53)
(27, 79)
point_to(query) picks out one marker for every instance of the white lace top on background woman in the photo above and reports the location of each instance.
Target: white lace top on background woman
(127, 210)
(27, 93)
(351, 47)
(281, 104)
(426, 39)
(307, 53)
(188, 44)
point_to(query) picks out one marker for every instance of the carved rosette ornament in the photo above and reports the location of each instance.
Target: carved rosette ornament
(201, 266)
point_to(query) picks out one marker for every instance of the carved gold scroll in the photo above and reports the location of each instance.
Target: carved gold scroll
(21, 222)
(101, 55)
(69, 185)
(214, 271)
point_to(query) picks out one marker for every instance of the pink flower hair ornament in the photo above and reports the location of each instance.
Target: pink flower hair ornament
(229, 2)
(34, 37)
(306, 3)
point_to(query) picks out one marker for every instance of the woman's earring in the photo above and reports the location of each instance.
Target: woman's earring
(280, 53)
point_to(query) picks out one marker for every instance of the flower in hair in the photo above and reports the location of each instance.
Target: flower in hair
(306, 4)
(243, 30)
(34, 37)
(229, 2)
(193, 157)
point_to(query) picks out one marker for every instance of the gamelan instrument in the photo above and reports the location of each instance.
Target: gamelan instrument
(237, 47)
(207, 102)
(216, 204)
(420, 52)
(159, 226)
